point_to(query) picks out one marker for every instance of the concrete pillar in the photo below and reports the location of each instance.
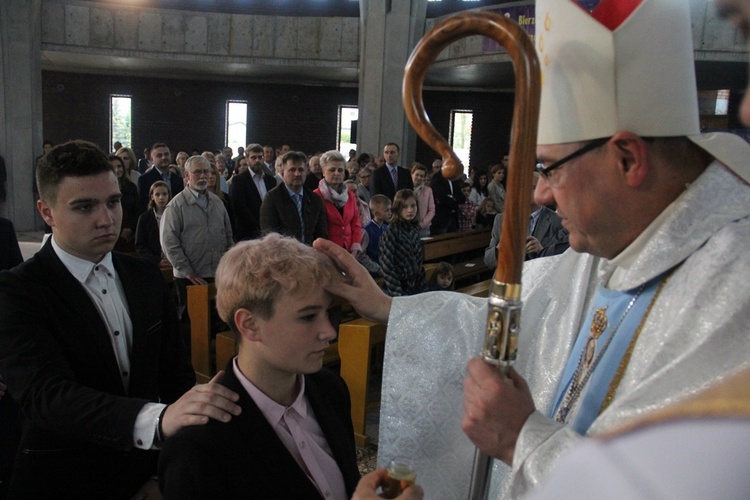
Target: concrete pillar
(389, 31)
(20, 105)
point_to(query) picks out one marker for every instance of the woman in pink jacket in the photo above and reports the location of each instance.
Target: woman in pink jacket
(342, 213)
(425, 201)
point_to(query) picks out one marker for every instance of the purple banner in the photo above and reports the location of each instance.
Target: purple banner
(523, 15)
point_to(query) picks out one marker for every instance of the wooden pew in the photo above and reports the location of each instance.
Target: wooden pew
(446, 246)
(356, 340)
(199, 306)
(481, 289)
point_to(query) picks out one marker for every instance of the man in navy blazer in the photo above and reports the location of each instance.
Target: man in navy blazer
(159, 171)
(247, 192)
(382, 177)
(279, 212)
(90, 347)
(10, 252)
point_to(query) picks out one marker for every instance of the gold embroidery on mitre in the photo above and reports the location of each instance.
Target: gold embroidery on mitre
(547, 22)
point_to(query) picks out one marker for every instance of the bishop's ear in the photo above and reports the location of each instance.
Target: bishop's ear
(632, 157)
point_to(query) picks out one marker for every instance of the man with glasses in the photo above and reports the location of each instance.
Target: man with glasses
(195, 232)
(363, 188)
(546, 236)
(650, 304)
(247, 192)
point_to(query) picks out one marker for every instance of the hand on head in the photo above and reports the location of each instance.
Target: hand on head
(358, 288)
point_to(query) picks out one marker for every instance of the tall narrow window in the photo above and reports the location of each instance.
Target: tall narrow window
(119, 120)
(345, 141)
(460, 133)
(236, 126)
(722, 102)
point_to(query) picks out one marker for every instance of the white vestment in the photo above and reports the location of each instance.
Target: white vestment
(695, 335)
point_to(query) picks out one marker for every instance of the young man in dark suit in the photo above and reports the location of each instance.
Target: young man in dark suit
(161, 158)
(294, 437)
(448, 197)
(280, 212)
(90, 348)
(383, 177)
(247, 193)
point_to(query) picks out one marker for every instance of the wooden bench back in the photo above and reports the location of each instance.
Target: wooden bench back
(444, 245)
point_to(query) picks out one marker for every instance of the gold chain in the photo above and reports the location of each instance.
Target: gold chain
(620, 373)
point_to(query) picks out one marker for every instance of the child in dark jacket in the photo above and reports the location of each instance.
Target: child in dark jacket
(401, 249)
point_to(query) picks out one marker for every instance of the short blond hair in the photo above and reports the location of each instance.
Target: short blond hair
(253, 274)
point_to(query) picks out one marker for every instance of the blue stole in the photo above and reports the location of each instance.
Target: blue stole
(589, 403)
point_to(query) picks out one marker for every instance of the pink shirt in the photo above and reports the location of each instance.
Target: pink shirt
(297, 427)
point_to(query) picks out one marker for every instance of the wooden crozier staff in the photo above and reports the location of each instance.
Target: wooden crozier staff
(504, 313)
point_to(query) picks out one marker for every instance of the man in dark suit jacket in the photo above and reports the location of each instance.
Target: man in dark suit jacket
(161, 157)
(10, 430)
(294, 437)
(448, 197)
(144, 163)
(382, 177)
(279, 212)
(10, 252)
(245, 196)
(90, 348)
(548, 236)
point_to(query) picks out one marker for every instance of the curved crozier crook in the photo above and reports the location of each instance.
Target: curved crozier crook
(525, 120)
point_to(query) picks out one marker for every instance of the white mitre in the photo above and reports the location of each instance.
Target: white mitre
(627, 66)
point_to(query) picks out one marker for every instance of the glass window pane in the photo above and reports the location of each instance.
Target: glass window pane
(236, 126)
(347, 114)
(120, 120)
(461, 122)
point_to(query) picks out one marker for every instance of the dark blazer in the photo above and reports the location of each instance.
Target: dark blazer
(312, 181)
(446, 204)
(147, 242)
(143, 165)
(152, 175)
(131, 210)
(278, 214)
(246, 203)
(10, 252)
(59, 365)
(382, 182)
(245, 458)
(548, 230)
